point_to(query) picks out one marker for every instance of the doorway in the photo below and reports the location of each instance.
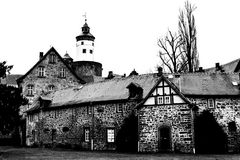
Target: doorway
(164, 138)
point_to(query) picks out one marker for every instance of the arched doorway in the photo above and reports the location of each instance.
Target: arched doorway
(164, 138)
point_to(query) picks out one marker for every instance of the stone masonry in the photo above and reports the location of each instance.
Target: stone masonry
(41, 125)
(177, 117)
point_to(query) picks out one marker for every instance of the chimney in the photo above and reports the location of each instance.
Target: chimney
(200, 69)
(40, 55)
(217, 66)
(110, 75)
(160, 71)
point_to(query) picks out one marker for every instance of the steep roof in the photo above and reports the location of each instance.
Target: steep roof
(230, 67)
(11, 79)
(108, 90)
(191, 84)
(208, 84)
(52, 49)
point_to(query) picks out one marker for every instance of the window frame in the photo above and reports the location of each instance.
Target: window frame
(30, 90)
(84, 51)
(41, 71)
(82, 43)
(211, 103)
(62, 73)
(110, 139)
(52, 58)
(89, 110)
(119, 108)
(169, 99)
(87, 134)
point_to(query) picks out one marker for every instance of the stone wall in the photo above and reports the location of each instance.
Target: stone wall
(76, 119)
(41, 84)
(176, 117)
(225, 110)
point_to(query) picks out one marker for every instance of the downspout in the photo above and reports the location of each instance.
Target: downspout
(193, 128)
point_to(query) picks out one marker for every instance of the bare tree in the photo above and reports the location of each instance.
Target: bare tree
(170, 53)
(187, 32)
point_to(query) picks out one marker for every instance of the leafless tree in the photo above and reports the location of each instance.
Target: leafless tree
(170, 53)
(187, 32)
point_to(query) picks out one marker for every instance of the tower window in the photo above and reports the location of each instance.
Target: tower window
(84, 50)
(62, 73)
(91, 51)
(82, 43)
(92, 44)
(41, 71)
(30, 90)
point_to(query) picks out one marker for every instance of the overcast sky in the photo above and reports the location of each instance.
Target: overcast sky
(126, 31)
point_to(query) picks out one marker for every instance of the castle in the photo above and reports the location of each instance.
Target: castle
(70, 103)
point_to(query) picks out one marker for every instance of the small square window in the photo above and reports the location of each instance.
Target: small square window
(110, 135)
(167, 99)
(84, 50)
(92, 44)
(51, 87)
(91, 51)
(82, 43)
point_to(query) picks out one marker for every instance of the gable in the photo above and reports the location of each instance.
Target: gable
(164, 94)
(46, 60)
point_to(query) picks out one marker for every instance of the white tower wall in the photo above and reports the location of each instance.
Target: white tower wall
(85, 50)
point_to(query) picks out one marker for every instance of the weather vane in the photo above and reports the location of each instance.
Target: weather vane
(85, 15)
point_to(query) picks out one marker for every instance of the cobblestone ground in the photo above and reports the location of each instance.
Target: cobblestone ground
(13, 153)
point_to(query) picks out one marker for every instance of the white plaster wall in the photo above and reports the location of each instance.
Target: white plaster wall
(85, 56)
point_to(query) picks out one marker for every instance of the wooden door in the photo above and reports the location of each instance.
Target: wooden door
(164, 138)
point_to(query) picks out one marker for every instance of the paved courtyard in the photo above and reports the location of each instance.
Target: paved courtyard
(7, 152)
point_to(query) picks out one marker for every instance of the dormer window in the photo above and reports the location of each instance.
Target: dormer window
(135, 91)
(52, 58)
(62, 73)
(41, 71)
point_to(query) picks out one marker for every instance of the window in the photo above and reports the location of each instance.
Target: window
(30, 90)
(41, 71)
(62, 73)
(110, 135)
(89, 110)
(92, 44)
(82, 43)
(91, 51)
(120, 109)
(52, 58)
(30, 118)
(210, 103)
(51, 87)
(160, 100)
(167, 99)
(84, 50)
(86, 134)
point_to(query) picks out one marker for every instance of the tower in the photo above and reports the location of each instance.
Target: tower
(85, 66)
(85, 44)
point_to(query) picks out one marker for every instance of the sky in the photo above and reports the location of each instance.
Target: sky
(126, 31)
